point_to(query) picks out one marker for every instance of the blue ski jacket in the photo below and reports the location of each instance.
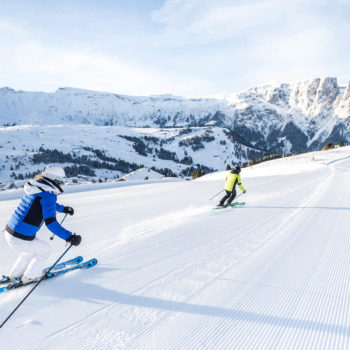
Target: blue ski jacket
(32, 212)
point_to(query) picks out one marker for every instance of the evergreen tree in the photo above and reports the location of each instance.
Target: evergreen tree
(327, 146)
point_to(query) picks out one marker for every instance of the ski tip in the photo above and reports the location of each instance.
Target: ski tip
(92, 262)
(218, 207)
(237, 204)
(4, 279)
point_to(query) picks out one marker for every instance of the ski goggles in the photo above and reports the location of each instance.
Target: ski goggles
(60, 182)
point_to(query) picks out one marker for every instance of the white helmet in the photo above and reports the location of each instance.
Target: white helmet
(55, 173)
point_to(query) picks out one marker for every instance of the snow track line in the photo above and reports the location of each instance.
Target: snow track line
(247, 278)
(133, 341)
(190, 234)
(281, 276)
(290, 308)
(231, 321)
(231, 239)
(322, 312)
(151, 228)
(179, 237)
(271, 347)
(190, 345)
(330, 272)
(113, 306)
(337, 160)
(250, 228)
(267, 219)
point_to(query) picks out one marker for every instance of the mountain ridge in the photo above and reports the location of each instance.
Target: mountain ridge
(186, 133)
(307, 104)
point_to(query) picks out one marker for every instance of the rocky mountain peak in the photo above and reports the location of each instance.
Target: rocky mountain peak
(342, 104)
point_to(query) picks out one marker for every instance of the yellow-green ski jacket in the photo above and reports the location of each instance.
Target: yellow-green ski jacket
(231, 181)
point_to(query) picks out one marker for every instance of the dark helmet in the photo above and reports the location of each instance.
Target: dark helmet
(236, 170)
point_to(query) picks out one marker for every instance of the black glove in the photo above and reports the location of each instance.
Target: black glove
(68, 210)
(243, 192)
(74, 239)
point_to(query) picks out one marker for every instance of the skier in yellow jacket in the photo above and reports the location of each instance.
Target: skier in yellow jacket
(232, 179)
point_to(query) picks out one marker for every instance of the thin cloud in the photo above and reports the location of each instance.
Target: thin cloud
(207, 21)
(268, 39)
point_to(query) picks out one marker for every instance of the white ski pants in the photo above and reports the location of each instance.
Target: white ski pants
(32, 258)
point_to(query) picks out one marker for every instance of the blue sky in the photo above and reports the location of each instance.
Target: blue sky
(183, 47)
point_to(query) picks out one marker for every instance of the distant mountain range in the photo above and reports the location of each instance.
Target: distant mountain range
(186, 133)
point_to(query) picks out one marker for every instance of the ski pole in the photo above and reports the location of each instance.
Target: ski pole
(30, 292)
(53, 236)
(216, 195)
(240, 194)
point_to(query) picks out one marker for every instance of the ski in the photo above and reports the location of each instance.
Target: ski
(64, 264)
(218, 207)
(80, 266)
(52, 274)
(235, 204)
(4, 279)
(77, 260)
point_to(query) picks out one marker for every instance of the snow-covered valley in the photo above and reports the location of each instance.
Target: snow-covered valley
(175, 274)
(109, 152)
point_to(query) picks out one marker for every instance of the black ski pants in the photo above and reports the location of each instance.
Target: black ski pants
(230, 196)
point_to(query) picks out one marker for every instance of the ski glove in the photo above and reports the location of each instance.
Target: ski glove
(68, 210)
(244, 191)
(74, 239)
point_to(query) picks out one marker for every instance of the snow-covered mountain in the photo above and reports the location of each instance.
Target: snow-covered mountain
(297, 116)
(185, 133)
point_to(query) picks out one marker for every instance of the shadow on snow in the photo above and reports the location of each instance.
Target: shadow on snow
(98, 294)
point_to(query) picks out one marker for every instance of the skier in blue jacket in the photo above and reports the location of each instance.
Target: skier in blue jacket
(37, 206)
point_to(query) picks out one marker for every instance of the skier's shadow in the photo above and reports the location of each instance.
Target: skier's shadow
(98, 294)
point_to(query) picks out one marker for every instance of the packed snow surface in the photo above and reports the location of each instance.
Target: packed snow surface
(175, 274)
(142, 174)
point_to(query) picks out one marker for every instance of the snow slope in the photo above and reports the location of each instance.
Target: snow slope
(142, 174)
(174, 274)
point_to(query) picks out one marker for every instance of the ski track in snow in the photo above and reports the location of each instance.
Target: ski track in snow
(175, 274)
